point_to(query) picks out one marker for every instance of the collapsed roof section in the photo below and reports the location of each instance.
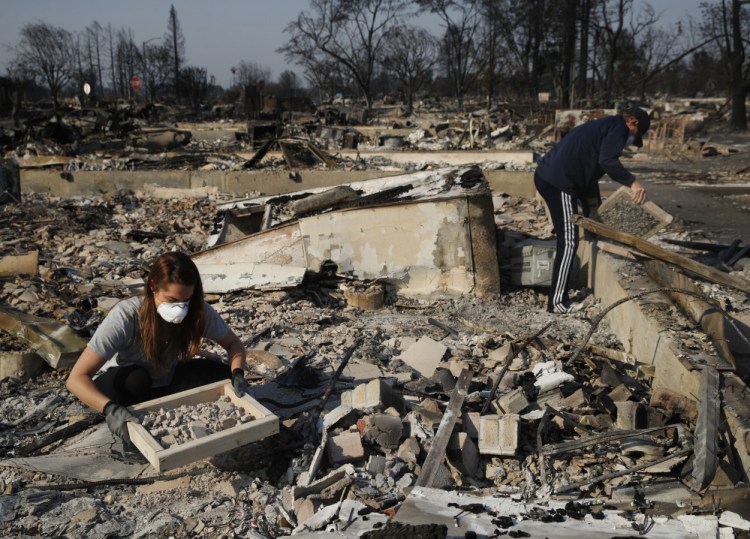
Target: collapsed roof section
(428, 232)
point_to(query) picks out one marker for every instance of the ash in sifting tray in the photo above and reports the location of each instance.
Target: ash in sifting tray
(629, 217)
(190, 422)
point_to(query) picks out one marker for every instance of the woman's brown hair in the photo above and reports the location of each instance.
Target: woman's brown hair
(182, 339)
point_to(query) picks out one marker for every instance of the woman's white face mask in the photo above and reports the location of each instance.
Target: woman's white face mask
(174, 313)
(630, 141)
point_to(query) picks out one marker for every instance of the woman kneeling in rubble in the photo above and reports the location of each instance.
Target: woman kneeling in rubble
(143, 348)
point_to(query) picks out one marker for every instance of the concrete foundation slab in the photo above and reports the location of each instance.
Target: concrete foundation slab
(650, 343)
(429, 506)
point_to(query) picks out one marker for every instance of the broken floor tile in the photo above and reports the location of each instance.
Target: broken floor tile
(424, 356)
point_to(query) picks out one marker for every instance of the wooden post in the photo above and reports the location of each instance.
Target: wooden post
(442, 437)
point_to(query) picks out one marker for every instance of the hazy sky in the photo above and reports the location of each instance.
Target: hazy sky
(218, 33)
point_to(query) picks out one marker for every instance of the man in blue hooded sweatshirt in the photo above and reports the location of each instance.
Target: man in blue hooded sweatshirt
(568, 175)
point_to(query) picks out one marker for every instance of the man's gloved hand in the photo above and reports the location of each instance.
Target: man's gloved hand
(238, 382)
(117, 418)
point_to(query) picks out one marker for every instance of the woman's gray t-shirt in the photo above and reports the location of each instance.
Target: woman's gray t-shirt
(118, 339)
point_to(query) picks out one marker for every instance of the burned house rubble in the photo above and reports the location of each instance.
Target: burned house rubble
(405, 379)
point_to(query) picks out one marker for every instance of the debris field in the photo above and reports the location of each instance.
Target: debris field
(439, 416)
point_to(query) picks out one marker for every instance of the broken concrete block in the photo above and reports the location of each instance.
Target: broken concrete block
(514, 402)
(19, 264)
(376, 464)
(305, 508)
(507, 383)
(429, 411)
(198, 429)
(323, 483)
(375, 394)
(620, 393)
(470, 422)
(229, 488)
(337, 416)
(498, 434)
(346, 447)
(383, 430)
(424, 356)
(463, 451)
(733, 520)
(21, 365)
(628, 413)
(552, 398)
(574, 400)
(369, 299)
(409, 451)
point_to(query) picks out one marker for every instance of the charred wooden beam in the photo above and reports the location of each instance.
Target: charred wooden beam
(711, 274)
(59, 345)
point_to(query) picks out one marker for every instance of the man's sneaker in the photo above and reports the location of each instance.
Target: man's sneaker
(567, 307)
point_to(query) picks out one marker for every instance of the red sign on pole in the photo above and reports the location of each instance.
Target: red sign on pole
(135, 83)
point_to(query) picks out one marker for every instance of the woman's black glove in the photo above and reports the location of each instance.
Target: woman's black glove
(117, 417)
(238, 382)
